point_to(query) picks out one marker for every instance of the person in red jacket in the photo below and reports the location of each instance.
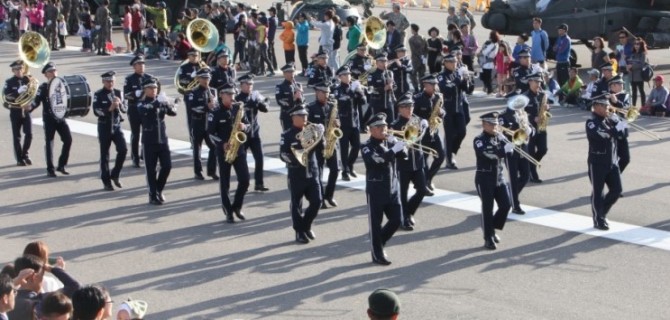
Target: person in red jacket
(136, 28)
(181, 47)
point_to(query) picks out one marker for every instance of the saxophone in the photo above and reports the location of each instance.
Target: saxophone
(309, 138)
(237, 137)
(543, 115)
(435, 119)
(333, 133)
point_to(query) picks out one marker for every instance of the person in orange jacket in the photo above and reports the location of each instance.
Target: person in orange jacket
(288, 39)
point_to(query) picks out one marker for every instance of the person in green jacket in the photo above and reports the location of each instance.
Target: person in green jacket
(571, 89)
(354, 33)
(160, 15)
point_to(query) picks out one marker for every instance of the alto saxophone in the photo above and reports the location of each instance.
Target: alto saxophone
(333, 133)
(435, 119)
(237, 137)
(543, 115)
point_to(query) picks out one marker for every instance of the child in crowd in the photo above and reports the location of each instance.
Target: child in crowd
(502, 62)
(614, 62)
(62, 30)
(288, 39)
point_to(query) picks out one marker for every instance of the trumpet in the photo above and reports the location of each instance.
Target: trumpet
(631, 114)
(517, 148)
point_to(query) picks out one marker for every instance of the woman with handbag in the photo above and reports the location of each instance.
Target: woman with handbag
(486, 60)
(637, 62)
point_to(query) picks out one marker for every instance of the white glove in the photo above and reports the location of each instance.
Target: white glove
(612, 116)
(138, 93)
(424, 124)
(391, 138)
(321, 128)
(193, 74)
(622, 125)
(367, 67)
(23, 89)
(509, 147)
(398, 146)
(254, 96)
(162, 98)
(424, 60)
(501, 136)
(355, 84)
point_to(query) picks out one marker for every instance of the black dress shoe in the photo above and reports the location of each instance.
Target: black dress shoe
(28, 161)
(518, 211)
(213, 176)
(496, 239)
(381, 261)
(239, 214)
(300, 237)
(536, 180)
(490, 244)
(62, 170)
(324, 205)
(105, 54)
(108, 187)
(160, 197)
(198, 176)
(117, 183)
(261, 188)
(406, 226)
(452, 166)
(430, 186)
(229, 218)
(332, 202)
(620, 195)
(601, 226)
(429, 192)
(136, 165)
(51, 174)
(310, 234)
(353, 173)
(345, 176)
(20, 163)
(154, 200)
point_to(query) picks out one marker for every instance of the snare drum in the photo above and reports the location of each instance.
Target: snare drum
(70, 96)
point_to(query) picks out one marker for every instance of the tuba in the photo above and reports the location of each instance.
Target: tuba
(204, 37)
(332, 132)
(309, 138)
(237, 137)
(375, 33)
(435, 119)
(34, 52)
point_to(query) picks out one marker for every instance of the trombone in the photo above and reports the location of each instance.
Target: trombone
(519, 137)
(410, 136)
(631, 114)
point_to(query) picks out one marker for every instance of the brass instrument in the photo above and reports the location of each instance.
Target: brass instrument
(34, 52)
(519, 136)
(204, 37)
(543, 115)
(435, 119)
(411, 134)
(237, 137)
(631, 114)
(374, 33)
(309, 138)
(517, 148)
(332, 133)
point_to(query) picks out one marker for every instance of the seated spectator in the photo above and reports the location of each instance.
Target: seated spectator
(164, 45)
(150, 32)
(551, 88)
(132, 310)
(56, 306)
(7, 295)
(584, 101)
(655, 104)
(40, 249)
(383, 304)
(31, 271)
(89, 304)
(181, 47)
(571, 90)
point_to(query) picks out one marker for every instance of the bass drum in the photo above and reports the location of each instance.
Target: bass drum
(70, 96)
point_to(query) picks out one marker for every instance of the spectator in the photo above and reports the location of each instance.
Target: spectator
(150, 33)
(452, 18)
(540, 45)
(85, 29)
(598, 54)
(7, 295)
(127, 25)
(36, 16)
(160, 15)
(638, 60)
(383, 304)
(434, 50)
(89, 303)
(502, 62)
(624, 51)
(615, 64)
(62, 30)
(261, 31)
(354, 34)
(655, 103)
(399, 21)
(337, 40)
(132, 310)
(102, 16)
(252, 44)
(521, 45)
(570, 91)
(31, 270)
(56, 306)
(302, 40)
(181, 47)
(392, 39)
(594, 76)
(551, 88)
(470, 46)
(272, 32)
(240, 36)
(326, 41)
(109, 304)
(419, 49)
(487, 59)
(136, 29)
(288, 41)
(562, 49)
(51, 29)
(456, 42)
(24, 18)
(466, 17)
(41, 250)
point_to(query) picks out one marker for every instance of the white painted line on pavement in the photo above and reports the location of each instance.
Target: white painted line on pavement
(623, 232)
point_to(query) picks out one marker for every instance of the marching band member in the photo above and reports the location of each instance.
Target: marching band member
(537, 145)
(187, 73)
(303, 181)
(382, 188)
(199, 102)
(602, 131)
(360, 63)
(410, 168)
(350, 100)
(108, 105)
(288, 94)
(19, 117)
(322, 71)
(220, 126)
(517, 166)
(424, 102)
(319, 113)
(152, 110)
(380, 82)
(519, 73)
(489, 179)
(621, 100)
(453, 88)
(132, 91)
(402, 69)
(222, 73)
(253, 103)
(602, 85)
(52, 124)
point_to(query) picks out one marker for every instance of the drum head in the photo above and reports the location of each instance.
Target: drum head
(59, 97)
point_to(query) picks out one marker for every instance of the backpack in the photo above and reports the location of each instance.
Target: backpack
(647, 73)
